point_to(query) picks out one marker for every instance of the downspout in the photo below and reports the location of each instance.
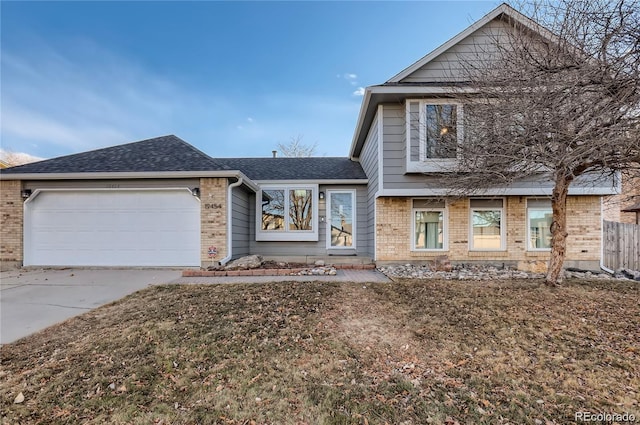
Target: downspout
(602, 266)
(226, 259)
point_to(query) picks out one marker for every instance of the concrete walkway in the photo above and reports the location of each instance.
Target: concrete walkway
(347, 275)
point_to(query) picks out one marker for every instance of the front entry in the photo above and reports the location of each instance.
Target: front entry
(341, 212)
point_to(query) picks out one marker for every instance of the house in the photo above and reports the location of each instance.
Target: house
(161, 202)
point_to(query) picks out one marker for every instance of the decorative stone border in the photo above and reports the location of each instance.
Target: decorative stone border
(308, 271)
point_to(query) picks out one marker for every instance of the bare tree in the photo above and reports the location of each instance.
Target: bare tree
(16, 158)
(297, 148)
(560, 101)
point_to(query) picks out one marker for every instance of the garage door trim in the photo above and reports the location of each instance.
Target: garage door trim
(29, 204)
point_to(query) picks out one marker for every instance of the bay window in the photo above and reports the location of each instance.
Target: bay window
(287, 213)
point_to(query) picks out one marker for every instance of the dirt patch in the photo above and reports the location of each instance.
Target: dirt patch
(410, 352)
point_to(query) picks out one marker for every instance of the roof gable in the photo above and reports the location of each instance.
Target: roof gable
(160, 154)
(444, 64)
(434, 74)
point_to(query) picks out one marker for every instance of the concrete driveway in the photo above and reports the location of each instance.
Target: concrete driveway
(31, 300)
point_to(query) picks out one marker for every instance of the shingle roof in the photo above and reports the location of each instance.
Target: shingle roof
(308, 168)
(170, 153)
(166, 153)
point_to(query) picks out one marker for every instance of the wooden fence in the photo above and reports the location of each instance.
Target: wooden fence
(621, 245)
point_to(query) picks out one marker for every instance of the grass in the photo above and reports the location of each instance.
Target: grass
(411, 352)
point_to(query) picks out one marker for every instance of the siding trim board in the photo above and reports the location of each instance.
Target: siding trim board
(539, 191)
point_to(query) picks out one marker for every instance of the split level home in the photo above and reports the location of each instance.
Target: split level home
(162, 202)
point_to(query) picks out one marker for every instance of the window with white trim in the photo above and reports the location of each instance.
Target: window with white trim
(429, 225)
(487, 232)
(434, 129)
(287, 213)
(341, 218)
(539, 219)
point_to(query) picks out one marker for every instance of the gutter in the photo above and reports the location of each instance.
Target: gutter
(226, 259)
(602, 266)
(129, 175)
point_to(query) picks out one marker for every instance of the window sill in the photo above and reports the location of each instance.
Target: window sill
(499, 254)
(431, 166)
(287, 237)
(428, 253)
(538, 253)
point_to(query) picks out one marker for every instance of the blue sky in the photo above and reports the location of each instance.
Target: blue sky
(231, 78)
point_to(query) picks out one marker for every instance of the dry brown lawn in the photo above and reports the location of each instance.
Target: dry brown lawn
(410, 352)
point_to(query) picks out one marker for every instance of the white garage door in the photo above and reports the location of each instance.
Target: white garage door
(112, 228)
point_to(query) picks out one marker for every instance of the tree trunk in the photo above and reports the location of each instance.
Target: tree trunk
(558, 231)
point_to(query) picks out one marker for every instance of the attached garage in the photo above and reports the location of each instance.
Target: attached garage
(112, 227)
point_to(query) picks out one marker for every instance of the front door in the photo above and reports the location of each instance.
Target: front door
(341, 210)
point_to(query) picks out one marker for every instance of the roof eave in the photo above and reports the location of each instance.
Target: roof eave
(313, 181)
(356, 135)
(131, 175)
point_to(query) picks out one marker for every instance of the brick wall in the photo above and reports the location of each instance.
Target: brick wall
(213, 218)
(393, 230)
(11, 220)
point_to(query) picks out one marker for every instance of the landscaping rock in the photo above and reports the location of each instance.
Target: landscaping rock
(315, 271)
(245, 263)
(630, 274)
(441, 264)
(319, 263)
(486, 272)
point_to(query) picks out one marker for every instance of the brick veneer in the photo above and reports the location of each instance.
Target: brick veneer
(629, 196)
(213, 218)
(11, 220)
(393, 230)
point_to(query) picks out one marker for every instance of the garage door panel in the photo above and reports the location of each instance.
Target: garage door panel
(113, 228)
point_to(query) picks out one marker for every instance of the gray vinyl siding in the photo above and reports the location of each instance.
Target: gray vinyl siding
(369, 161)
(394, 161)
(240, 206)
(472, 51)
(394, 151)
(319, 248)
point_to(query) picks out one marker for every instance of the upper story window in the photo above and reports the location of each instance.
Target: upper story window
(434, 132)
(440, 132)
(288, 213)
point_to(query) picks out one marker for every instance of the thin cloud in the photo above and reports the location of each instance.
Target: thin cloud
(86, 97)
(359, 92)
(83, 97)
